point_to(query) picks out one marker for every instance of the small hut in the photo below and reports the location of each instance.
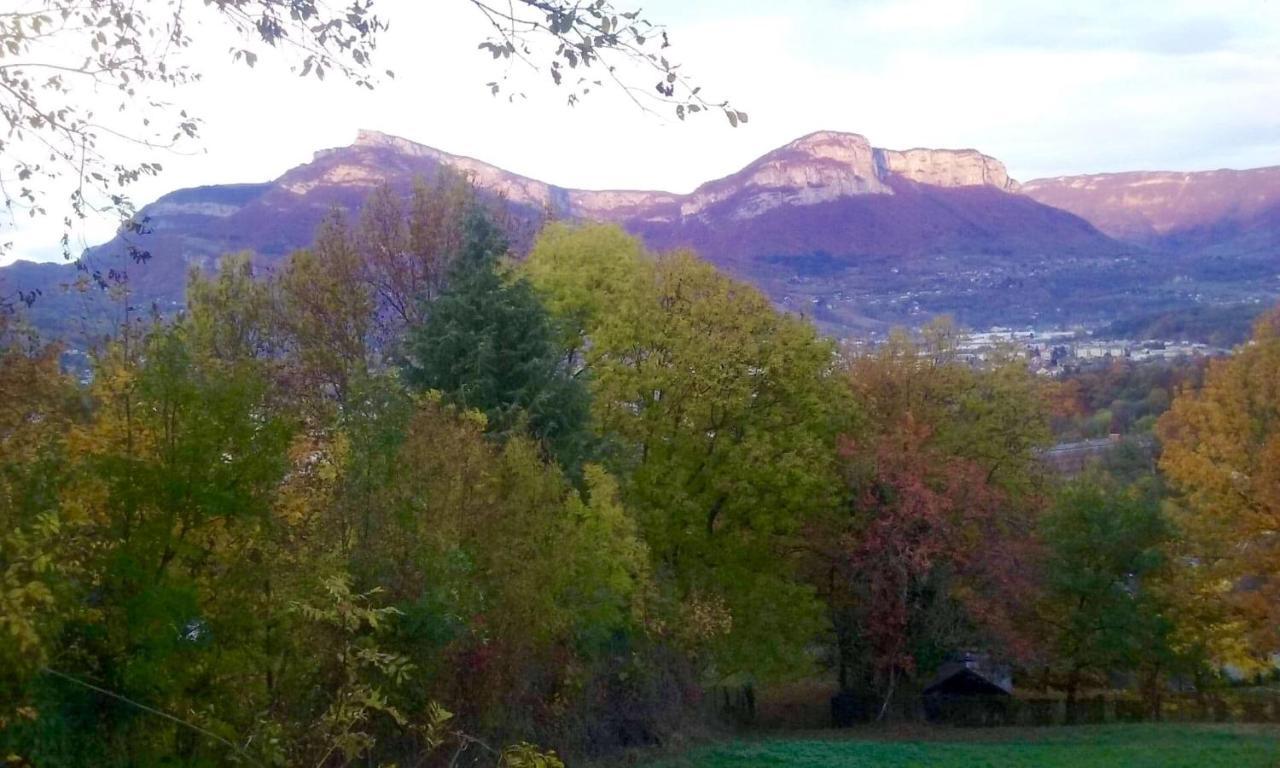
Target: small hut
(970, 690)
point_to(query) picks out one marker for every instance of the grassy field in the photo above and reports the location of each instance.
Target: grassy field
(1128, 746)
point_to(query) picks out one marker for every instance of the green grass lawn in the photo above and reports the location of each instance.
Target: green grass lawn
(1137, 746)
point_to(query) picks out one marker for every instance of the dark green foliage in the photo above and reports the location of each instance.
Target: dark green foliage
(1101, 611)
(1218, 326)
(488, 344)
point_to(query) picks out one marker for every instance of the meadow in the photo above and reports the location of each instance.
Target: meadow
(1129, 746)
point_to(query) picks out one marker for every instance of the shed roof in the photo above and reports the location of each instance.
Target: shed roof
(973, 674)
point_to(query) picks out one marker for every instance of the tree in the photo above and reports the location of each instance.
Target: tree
(1099, 613)
(720, 412)
(920, 530)
(197, 570)
(1221, 452)
(942, 485)
(170, 481)
(406, 250)
(58, 56)
(41, 549)
(584, 272)
(327, 313)
(58, 53)
(231, 314)
(509, 578)
(594, 37)
(488, 344)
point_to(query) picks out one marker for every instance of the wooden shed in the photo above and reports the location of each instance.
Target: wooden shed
(970, 690)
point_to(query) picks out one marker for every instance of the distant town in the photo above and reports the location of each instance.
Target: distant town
(1052, 353)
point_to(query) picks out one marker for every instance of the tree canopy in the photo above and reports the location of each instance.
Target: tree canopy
(1222, 451)
(408, 500)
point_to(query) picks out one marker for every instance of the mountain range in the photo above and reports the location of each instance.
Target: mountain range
(856, 237)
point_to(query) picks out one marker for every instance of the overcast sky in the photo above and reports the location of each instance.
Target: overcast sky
(1049, 88)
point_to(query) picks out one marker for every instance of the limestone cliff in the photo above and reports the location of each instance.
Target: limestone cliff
(947, 168)
(817, 168)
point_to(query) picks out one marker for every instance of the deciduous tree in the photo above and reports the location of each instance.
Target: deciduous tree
(1222, 453)
(1101, 610)
(721, 409)
(942, 482)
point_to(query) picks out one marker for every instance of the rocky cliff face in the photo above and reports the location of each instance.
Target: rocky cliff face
(1168, 208)
(364, 164)
(947, 168)
(827, 166)
(817, 168)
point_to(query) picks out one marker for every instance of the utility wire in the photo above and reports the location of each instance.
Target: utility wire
(153, 711)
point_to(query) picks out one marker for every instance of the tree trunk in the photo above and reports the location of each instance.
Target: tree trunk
(1154, 698)
(893, 680)
(1073, 686)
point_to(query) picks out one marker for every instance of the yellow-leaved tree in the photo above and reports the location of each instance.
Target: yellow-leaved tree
(1222, 452)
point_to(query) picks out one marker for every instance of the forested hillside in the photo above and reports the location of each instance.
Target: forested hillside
(408, 501)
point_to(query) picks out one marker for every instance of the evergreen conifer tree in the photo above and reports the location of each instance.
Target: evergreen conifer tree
(488, 343)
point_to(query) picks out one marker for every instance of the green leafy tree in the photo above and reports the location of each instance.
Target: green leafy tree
(1100, 610)
(172, 480)
(721, 409)
(509, 578)
(43, 547)
(585, 272)
(197, 570)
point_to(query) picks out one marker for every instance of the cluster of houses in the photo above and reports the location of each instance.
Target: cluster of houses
(1052, 353)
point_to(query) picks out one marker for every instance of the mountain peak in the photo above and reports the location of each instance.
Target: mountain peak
(831, 145)
(935, 167)
(828, 165)
(852, 234)
(370, 139)
(367, 137)
(817, 167)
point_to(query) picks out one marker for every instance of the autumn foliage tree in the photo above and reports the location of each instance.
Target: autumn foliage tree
(942, 485)
(1222, 453)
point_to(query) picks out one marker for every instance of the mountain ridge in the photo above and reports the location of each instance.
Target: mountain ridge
(855, 236)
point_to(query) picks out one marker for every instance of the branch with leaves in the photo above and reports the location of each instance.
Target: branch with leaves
(595, 38)
(84, 83)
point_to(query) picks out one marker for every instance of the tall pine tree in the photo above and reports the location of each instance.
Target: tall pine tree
(488, 343)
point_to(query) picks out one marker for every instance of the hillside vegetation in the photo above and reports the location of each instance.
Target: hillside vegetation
(407, 500)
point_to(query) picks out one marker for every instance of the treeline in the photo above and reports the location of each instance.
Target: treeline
(408, 501)
(1216, 325)
(1124, 398)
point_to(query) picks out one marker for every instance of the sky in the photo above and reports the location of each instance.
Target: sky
(1048, 88)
